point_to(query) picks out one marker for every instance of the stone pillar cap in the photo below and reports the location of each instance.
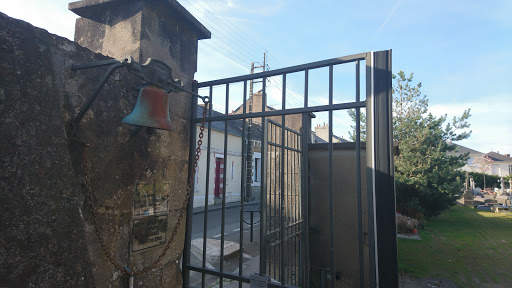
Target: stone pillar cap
(89, 9)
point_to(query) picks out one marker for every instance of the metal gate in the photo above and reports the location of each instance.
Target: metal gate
(279, 255)
(283, 225)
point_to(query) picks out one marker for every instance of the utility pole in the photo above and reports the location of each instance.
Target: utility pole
(248, 159)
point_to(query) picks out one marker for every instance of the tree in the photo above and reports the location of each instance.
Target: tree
(427, 179)
(362, 122)
(482, 165)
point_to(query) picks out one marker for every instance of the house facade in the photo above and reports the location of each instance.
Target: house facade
(227, 166)
(499, 164)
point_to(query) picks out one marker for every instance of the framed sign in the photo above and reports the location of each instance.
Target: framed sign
(150, 212)
(149, 231)
(150, 198)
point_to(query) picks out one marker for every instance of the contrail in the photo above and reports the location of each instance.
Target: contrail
(389, 16)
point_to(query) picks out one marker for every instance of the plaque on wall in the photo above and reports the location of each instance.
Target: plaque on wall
(150, 198)
(149, 231)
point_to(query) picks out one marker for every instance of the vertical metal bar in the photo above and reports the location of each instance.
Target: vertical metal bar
(243, 188)
(281, 207)
(190, 206)
(291, 214)
(222, 224)
(288, 206)
(385, 212)
(331, 194)
(252, 223)
(286, 259)
(358, 178)
(207, 189)
(270, 184)
(297, 208)
(275, 208)
(263, 195)
(370, 171)
(306, 137)
(293, 211)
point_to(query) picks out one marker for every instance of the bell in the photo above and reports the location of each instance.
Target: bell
(151, 109)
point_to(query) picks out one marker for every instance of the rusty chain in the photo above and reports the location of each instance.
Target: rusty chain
(181, 211)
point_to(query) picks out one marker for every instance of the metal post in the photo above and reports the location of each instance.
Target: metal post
(358, 179)
(282, 188)
(381, 172)
(306, 136)
(263, 199)
(252, 223)
(190, 206)
(223, 217)
(331, 194)
(207, 188)
(243, 188)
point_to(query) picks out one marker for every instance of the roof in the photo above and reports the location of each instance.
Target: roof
(318, 139)
(235, 127)
(459, 150)
(340, 139)
(498, 157)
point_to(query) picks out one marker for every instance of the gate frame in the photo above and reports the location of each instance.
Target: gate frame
(380, 170)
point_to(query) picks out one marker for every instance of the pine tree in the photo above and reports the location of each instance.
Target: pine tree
(426, 174)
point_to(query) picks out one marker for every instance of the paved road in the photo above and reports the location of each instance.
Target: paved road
(231, 233)
(214, 219)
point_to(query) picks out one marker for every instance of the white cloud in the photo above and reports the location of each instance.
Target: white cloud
(490, 121)
(53, 16)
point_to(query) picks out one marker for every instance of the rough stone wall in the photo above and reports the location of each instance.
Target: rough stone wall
(47, 234)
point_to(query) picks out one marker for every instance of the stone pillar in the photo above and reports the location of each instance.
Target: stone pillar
(160, 29)
(163, 30)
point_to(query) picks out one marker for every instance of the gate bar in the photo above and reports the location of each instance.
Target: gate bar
(283, 188)
(208, 160)
(358, 179)
(243, 188)
(321, 108)
(331, 195)
(370, 177)
(305, 194)
(263, 193)
(287, 70)
(223, 218)
(190, 205)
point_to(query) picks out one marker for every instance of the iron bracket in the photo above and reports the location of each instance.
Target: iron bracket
(154, 72)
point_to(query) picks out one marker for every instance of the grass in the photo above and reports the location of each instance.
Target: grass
(469, 246)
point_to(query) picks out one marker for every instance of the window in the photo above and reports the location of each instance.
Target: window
(509, 169)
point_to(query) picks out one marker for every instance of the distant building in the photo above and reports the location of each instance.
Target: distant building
(322, 132)
(501, 164)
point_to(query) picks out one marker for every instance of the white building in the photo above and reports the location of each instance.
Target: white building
(229, 167)
(501, 165)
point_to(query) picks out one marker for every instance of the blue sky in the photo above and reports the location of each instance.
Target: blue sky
(461, 51)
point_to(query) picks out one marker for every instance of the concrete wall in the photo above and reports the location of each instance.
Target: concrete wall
(345, 214)
(47, 232)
